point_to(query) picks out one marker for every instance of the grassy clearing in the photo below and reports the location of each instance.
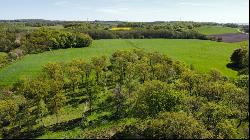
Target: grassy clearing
(120, 28)
(208, 30)
(69, 134)
(65, 114)
(80, 133)
(203, 55)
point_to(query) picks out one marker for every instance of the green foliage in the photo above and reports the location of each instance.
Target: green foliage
(175, 126)
(8, 109)
(240, 60)
(168, 99)
(243, 81)
(178, 30)
(154, 97)
(144, 33)
(45, 39)
(3, 59)
(7, 40)
(226, 130)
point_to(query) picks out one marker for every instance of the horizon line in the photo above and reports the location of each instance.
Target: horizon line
(123, 20)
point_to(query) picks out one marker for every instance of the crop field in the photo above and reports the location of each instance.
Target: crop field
(208, 30)
(203, 55)
(232, 37)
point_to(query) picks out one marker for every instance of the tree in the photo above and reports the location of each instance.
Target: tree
(118, 98)
(53, 71)
(175, 125)
(7, 41)
(99, 64)
(211, 114)
(74, 75)
(45, 39)
(56, 98)
(8, 111)
(35, 93)
(226, 130)
(153, 97)
(239, 59)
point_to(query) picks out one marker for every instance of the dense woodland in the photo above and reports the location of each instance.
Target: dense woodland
(130, 94)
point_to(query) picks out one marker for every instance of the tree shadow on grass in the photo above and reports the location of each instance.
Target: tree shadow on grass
(15, 133)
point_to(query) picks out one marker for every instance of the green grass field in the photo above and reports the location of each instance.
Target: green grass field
(208, 30)
(203, 55)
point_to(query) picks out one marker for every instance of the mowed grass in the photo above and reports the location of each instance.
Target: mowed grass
(208, 30)
(203, 55)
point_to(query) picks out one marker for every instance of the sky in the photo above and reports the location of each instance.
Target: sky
(221, 11)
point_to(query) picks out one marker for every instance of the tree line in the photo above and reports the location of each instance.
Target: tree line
(144, 34)
(176, 30)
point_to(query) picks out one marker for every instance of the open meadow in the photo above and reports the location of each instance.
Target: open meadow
(203, 55)
(208, 30)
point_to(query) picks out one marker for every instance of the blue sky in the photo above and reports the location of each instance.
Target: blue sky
(233, 11)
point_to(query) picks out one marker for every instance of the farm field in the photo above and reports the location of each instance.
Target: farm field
(203, 55)
(232, 37)
(209, 30)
